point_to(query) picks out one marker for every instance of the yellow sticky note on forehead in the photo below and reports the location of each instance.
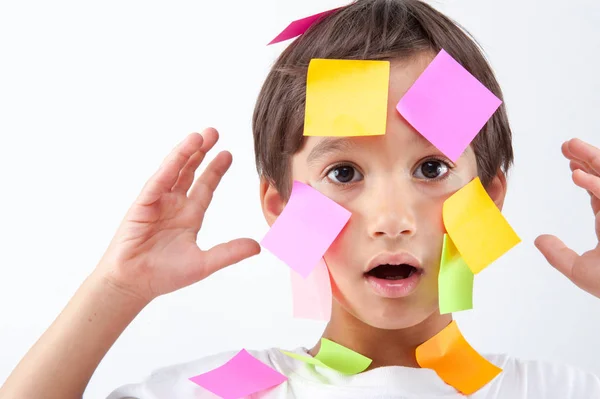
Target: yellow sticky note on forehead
(346, 97)
(476, 226)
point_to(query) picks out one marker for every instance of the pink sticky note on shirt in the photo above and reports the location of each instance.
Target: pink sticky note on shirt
(243, 375)
(305, 229)
(448, 105)
(300, 26)
(312, 295)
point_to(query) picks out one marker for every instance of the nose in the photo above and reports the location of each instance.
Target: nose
(392, 213)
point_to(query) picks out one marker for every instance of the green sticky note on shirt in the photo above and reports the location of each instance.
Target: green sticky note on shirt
(455, 280)
(336, 357)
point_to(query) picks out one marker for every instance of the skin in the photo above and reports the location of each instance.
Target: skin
(154, 251)
(395, 208)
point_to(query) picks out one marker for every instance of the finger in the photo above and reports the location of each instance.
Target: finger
(565, 150)
(167, 174)
(229, 253)
(597, 227)
(585, 153)
(202, 191)
(186, 176)
(587, 181)
(574, 165)
(561, 257)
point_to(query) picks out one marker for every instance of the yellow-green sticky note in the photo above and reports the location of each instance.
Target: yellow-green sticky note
(336, 357)
(455, 280)
(346, 97)
(476, 226)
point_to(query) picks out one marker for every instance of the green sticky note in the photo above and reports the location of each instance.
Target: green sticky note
(336, 357)
(342, 359)
(305, 359)
(455, 280)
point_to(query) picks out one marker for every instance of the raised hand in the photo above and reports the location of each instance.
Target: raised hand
(583, 270)
(154, 250)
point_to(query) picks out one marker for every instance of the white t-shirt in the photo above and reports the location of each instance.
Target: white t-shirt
(519, 379)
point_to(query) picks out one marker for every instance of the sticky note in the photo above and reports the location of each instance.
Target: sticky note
(346, 97)
(335, 357)
(342, 359)
(476, 226)
(298, 27)
(241, 376)
(311, 296)
(305, 229)
(455, 280)
(448, 105)
(455, 361)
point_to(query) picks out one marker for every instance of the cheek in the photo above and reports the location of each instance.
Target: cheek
(429, 214)
(339, 248)
(440, 191)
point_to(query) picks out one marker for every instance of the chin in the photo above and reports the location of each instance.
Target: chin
(392, 314)
(399, 318)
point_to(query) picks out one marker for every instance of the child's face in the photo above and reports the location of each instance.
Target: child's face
(395, 186)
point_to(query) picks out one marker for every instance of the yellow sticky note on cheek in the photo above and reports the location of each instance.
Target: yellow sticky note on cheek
(346, 97)
(476, 226)
(455, 361)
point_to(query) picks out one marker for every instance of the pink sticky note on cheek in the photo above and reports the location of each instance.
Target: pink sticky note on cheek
(243, 375)
(297, 28)
(311, 296)
(448, 105)
(305, 229)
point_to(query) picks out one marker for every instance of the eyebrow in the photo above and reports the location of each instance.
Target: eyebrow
(330, 145)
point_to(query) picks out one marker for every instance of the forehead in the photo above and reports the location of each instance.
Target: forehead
(403, 73)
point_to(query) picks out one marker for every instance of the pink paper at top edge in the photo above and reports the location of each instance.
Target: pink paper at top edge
(298, 27)
(448, 105)
(241, 376)
(312, 295)
(305, 229)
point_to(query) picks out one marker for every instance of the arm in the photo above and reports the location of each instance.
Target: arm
(63, 360)
(153, 253)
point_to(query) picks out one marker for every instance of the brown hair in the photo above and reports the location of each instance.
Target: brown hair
(370, 30)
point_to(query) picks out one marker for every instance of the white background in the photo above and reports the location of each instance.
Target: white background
(93, 95)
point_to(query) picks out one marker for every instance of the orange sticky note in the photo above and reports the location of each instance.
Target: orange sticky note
(455, 361)
(346, 97)
(476, 226)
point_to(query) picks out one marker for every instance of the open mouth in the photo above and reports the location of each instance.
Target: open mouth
(393, 272)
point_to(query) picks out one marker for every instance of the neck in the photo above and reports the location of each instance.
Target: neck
(384, 347)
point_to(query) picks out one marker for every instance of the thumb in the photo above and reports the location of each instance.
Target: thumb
(557, 254)
(228, 253)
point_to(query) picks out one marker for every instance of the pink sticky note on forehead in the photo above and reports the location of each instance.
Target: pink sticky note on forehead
(305, 229)
(241, 376)
(300, 26)
(448, 105)
(312, 295)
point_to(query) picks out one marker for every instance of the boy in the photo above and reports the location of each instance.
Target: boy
(384, 263)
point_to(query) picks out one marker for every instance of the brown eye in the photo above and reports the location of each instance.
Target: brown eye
(344, 174)
(432, 170)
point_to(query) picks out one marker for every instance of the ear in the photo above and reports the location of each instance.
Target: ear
(496, 189)
(271, 201)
